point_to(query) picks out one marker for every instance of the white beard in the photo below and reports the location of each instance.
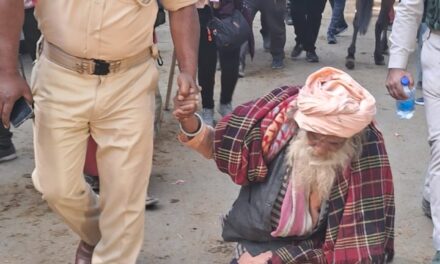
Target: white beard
(317, 173)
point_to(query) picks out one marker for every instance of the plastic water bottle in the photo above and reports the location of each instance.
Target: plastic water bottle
(405, 108)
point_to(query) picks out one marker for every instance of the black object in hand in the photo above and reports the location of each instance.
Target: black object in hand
(21, 112)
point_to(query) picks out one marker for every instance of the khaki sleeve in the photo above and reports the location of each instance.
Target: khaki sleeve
(203, 143)
(174, 5)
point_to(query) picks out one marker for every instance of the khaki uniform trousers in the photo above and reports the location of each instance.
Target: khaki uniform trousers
(431, 93)
(118, 111)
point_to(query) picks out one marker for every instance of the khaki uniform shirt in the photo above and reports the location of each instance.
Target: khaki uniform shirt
(101, 29)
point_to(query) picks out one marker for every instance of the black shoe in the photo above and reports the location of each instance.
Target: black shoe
(331, 39)
(426, 207)
(7, 153)
(277, 64)
(297, 50)
(151, 202)
(311, 56)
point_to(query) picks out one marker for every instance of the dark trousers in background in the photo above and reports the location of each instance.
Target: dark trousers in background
(30, 32)
(264, 31)
(229, 61)
(306, 18)
(5, 137)
(272, 12)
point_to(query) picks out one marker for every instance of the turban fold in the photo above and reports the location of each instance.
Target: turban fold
(332, 103)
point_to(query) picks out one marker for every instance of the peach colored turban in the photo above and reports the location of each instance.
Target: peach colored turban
(332, 103)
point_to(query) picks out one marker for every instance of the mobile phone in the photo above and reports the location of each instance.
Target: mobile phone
(21, 112)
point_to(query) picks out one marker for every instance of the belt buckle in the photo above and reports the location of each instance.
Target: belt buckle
(101, 67)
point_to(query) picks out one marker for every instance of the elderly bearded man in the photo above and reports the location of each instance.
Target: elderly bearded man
(315, 176)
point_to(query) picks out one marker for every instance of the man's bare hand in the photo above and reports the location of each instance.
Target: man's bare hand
(186, 100)
(393, 83)
(263, 258)
(186, 106)
(186, 84)
(12, 87)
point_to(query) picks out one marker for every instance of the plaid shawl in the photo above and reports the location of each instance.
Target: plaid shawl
(360, 224)
(237, 142)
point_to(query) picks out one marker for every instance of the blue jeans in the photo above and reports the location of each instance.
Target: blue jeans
(338, 20)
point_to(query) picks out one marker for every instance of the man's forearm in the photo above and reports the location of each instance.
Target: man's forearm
(185, 30)
(11, 22)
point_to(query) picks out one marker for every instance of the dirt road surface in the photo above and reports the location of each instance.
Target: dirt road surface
(185, 227)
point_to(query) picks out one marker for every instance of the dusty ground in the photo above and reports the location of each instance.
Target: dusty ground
(184, 228)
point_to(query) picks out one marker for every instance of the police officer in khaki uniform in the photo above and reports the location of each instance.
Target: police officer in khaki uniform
(95, 76)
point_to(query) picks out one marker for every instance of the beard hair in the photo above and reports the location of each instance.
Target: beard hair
(317, 173)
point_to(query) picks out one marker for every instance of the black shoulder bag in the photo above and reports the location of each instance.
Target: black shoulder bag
(230, 32)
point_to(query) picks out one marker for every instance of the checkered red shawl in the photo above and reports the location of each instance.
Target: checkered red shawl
(360, 224)
(237, 142)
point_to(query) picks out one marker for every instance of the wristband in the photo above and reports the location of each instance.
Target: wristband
(197, 131)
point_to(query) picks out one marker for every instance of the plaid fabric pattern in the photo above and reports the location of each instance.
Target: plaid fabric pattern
(238, 137)
(277, 129)
(360, 224)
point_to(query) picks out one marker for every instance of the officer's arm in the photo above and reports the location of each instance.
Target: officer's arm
(12, 85)
(185, 30)
(11, 21)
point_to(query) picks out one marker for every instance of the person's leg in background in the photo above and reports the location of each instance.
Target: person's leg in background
(244, 50)
(91, 173)
(419, 72)
(90, 167)
(206, 67)
(274, 11)
(288, 16)
(337, 23)
(331, 37)
(30, 32)
(430, 60)
(229, 61)
(7, 149)
(264, 31)
(298, 13)
(314, 9)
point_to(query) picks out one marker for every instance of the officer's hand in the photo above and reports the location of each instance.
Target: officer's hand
(12, 87)
(185, 83)
(393, 83)
(185, 107)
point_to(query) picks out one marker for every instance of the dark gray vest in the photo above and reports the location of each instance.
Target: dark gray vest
(248, 221)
